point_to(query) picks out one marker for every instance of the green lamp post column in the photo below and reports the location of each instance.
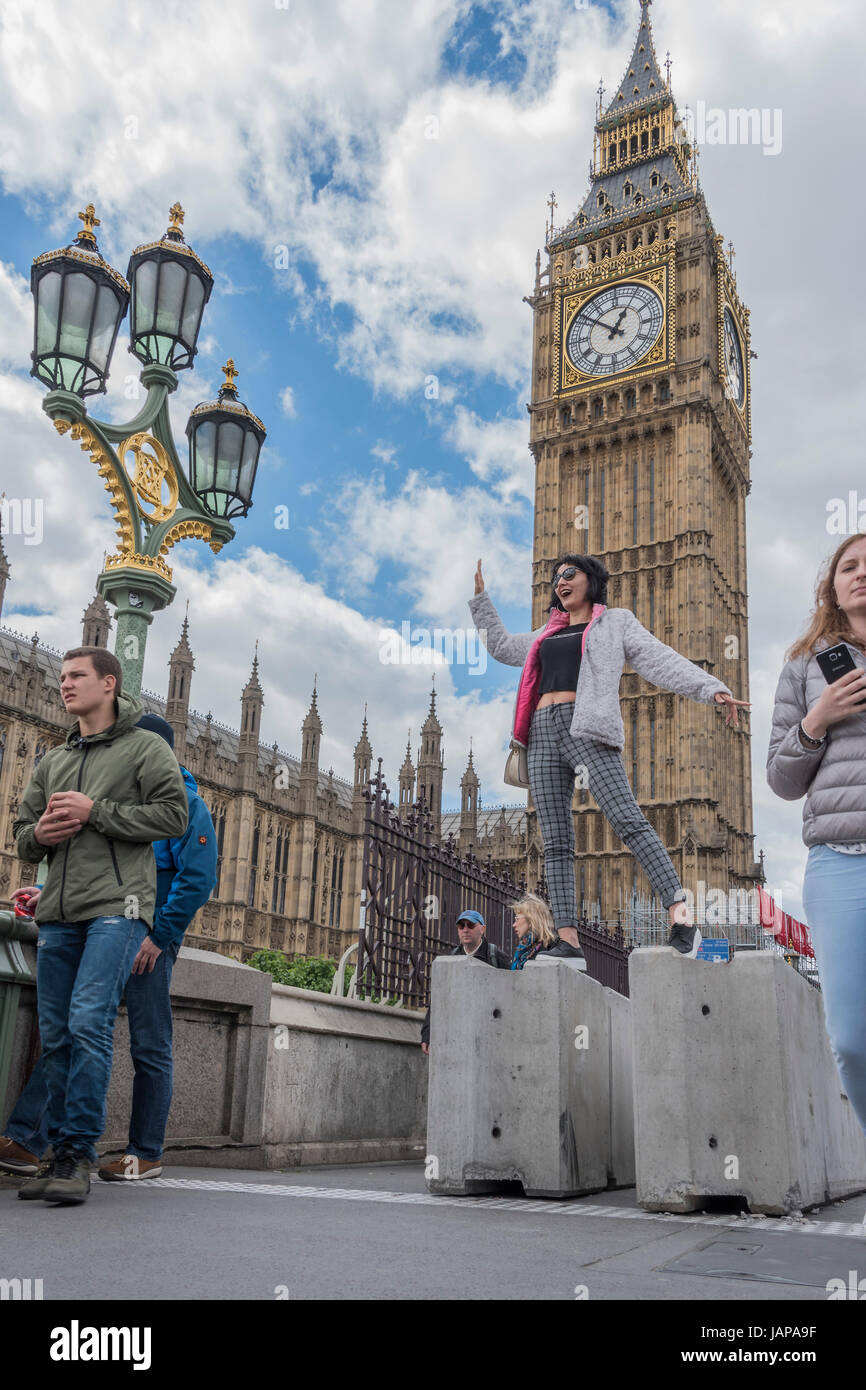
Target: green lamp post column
(80, 303)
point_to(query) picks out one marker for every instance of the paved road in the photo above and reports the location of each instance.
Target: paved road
(375, 1233)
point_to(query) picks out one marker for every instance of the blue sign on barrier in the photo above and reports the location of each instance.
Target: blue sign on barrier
(714, 948)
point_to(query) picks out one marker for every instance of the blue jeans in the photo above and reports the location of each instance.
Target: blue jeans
(149, 1004)
(81, 969)
(834, 896)
(148, 1001)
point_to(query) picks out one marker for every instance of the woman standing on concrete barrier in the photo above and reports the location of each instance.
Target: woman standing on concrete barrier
(818, 750)
(567, 719)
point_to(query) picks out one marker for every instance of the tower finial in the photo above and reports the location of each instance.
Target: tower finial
(552, 204)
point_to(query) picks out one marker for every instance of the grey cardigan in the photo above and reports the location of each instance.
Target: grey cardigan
(615, 638)
(833, 777)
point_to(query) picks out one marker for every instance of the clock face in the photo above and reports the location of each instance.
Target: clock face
(615, 329)
(735, 372)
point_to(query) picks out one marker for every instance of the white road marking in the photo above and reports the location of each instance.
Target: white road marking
(537, 1205)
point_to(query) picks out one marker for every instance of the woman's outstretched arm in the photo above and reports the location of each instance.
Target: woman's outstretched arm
(665, 667)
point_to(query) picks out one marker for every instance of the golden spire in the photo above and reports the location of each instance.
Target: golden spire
(176, 214)
(90, 220)
(230, 374)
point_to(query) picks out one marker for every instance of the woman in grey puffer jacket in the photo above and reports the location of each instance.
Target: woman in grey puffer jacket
(568, 718)
(818, 750)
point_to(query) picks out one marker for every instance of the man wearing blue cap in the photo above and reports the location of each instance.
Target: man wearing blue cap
(473, 942)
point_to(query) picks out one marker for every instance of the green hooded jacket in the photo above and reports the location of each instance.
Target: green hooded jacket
(107, 869)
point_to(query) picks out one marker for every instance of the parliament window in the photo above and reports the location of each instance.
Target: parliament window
(218, 816)
(336, 903)
(281, 859)
(313, 883)
(254, 866)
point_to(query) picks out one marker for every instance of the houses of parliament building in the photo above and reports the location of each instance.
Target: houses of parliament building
(640, 429)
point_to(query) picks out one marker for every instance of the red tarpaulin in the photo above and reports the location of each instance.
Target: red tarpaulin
(790, 933)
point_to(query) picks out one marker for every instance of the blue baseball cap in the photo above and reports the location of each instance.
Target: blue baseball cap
(471, 916)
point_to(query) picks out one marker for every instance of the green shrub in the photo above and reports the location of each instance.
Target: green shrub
(305, 972)
(308, 972)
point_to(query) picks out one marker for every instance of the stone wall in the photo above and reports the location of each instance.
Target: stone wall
(265, 1075)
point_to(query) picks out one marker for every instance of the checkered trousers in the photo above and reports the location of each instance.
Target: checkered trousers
(554, 755)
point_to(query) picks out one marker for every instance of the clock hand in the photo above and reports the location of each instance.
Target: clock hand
(600, 323)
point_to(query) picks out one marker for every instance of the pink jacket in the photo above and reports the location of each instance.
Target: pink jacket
(530, 679)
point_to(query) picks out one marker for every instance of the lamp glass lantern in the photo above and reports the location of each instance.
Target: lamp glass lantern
(170, 287)
(80, 303)
(225, 439)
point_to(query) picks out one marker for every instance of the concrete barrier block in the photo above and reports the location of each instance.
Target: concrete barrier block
(736, 1092)
(521, 1081)
(621, 1089)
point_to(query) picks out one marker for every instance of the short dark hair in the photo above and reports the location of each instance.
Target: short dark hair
(597, 575)
(105, 663)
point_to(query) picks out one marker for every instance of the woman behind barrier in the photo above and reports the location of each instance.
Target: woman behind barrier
(533, 928)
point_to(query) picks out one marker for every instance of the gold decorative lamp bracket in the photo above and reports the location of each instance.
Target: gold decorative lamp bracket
(154, 505)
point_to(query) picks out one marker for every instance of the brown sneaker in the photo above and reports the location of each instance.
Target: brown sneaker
(130, 1168)
(14, 1159)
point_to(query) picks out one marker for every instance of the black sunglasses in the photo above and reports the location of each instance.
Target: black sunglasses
(566, 574)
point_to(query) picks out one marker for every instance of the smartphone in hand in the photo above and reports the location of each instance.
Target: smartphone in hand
(836, 662)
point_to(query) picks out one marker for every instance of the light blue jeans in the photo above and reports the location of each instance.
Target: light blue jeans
(834, 896)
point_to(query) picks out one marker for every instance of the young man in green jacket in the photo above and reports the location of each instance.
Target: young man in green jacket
(94, 806)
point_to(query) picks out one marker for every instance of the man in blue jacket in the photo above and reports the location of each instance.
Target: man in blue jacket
(186, 877)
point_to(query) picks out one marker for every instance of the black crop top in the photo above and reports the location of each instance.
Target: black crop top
(560, 659)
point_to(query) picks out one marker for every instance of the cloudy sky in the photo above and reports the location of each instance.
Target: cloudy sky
(369, 182)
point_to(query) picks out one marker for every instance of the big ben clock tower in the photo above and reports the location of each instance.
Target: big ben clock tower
(640, 430)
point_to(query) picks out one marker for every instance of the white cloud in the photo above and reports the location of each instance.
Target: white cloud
(497, 451)
(287, 403)
(386, 453)
(432, 536)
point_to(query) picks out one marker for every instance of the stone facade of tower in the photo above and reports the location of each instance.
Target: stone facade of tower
(431, 765)
(96, 624)
(640, 431)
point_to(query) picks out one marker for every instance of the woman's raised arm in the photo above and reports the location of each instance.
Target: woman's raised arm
(511, 648)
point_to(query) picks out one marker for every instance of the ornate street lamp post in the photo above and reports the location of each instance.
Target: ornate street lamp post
(80, 303)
